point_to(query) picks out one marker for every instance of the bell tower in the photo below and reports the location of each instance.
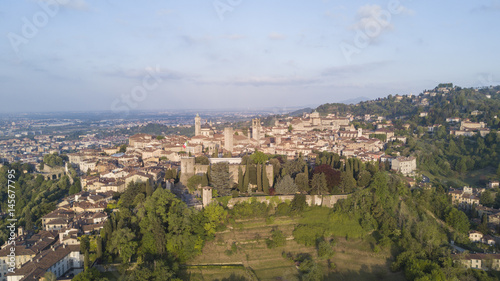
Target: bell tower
(197, 125)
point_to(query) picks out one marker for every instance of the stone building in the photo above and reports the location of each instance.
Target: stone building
(405, 165)
(256, 128)
(197, 125)
(228, 139)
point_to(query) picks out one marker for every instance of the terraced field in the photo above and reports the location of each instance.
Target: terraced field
(252, 260)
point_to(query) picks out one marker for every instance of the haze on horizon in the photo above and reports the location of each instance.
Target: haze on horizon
(152, 55)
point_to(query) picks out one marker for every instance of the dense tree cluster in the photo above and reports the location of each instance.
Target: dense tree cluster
(35, 196)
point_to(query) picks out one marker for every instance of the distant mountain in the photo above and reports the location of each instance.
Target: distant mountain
(354, 100)
(301, 112)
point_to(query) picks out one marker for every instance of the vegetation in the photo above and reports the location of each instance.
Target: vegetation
(34, 195)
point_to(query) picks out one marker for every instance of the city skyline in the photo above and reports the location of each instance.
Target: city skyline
(80, 55)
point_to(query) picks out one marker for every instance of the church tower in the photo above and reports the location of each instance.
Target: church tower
(256, 129)
(197, 125)
(228, 139)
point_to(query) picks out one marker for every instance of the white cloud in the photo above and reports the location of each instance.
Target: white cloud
(164, 12)
(234, 36)
(135, 73)
(346, 70)
(372, 15)
(276, 36)
(272, 81)
(80, 5)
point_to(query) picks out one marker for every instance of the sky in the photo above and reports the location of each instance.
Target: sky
(123, 55)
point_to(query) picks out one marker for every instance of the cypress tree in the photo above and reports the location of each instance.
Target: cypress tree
(204, 180)
(246, 179)
(265, 180)
(149, 189)
(86, 261)
(240, 179)
(99, 246)
(259, 177)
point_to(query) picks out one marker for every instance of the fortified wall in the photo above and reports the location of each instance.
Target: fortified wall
(189, 168)
(312, 200)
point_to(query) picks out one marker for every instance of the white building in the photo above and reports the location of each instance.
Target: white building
(405, 165)
(60, 259)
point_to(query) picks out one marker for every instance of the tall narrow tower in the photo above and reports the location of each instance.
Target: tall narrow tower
(197, 125)
(256, 129)
(228, 139)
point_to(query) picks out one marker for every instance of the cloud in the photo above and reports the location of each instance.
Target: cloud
(493, 6)
(276, 36)
(80, 5)
(337, 12)
(345, 70)
(234, 36)
(371, 15)
(164, 12)
(272, 81)
(157, 71)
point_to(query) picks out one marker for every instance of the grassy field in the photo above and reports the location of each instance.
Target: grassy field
(477, 178)
(354, 258)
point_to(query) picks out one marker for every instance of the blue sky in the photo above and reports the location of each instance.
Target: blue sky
(65, 55)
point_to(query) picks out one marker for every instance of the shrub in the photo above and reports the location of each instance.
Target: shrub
(325, 250)
(283, 209)
(308, 234)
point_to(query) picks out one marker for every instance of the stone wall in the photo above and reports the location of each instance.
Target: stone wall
(319, 200)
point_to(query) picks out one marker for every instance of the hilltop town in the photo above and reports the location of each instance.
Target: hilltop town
(328, 156)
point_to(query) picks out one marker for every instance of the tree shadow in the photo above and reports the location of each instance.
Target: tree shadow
(233, 277)
(377, 272)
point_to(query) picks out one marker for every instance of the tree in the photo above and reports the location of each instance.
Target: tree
(194, 182)
(483, 227)
(487, 198)
(49, 276)
(123, 148)
(325, 250)
(84, 243)
(240, 179)
(202, 160)
(298, 203)
(276, 167)
(259, 157)
(215, 215)
(86, 260)
(265, 180)
(246, 179)
(318, 184)
(259, 177)
(75, 187)
(277, 239)
(122, 244)
(332, 176)
(457, 219)
(347, 182)
(302, 182)
(286, 186)
(293, 167)
(149, 189)
(99, 247)
(28, 219)
(220, 178)
(364, 178)
(90, 275)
